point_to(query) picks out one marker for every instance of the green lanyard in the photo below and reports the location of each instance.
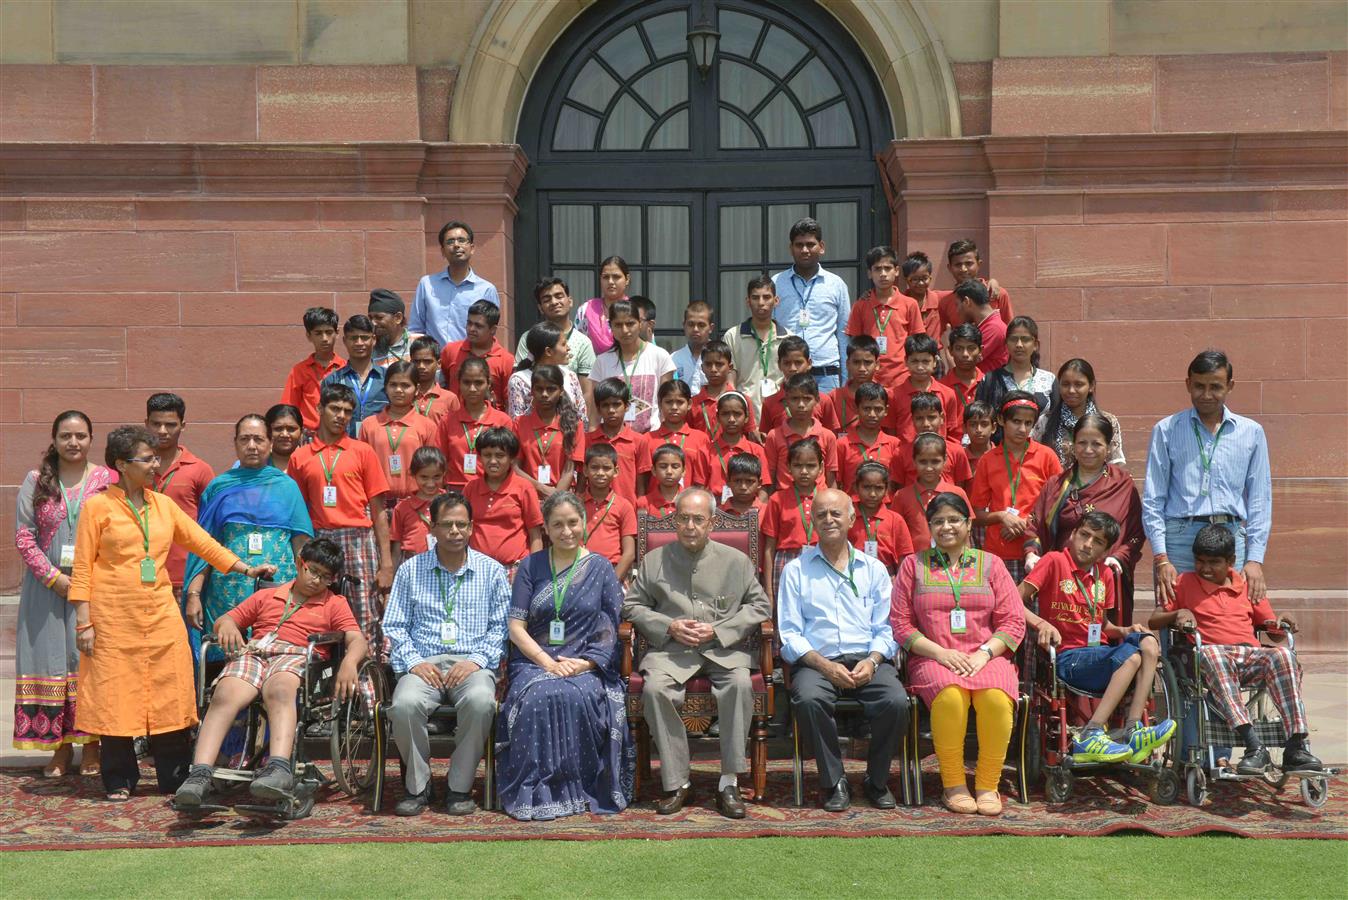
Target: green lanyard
(143, 519)
(329, 470)
(392, 444)
(559, 597)
(804, 519)
(287, 613)
(765, 349)
(720, 454)
(424, 410)
(448, 596)
(842, 421)
(1020, 470)
(849, 577)
(163, 485)
(471, 436)
(706, 420)
(870, 532)
(956, 585)
(1205, 454)
(587, 531)
(865, 457)
(881, 326)
(1091, 596)
(542, 447)
(636, 359)
(73, 512)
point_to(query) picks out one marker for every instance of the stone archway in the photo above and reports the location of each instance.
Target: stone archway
(514, 36)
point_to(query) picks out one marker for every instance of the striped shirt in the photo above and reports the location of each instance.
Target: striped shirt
(817, 609)
(1241, 483)
(416, 610)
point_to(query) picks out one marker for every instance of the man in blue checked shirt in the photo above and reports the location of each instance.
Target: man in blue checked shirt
(1207, 466)
(446, 624)
(833, 616)
(814, 304)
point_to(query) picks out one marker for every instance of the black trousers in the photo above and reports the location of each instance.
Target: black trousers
(883, 703)
(172, 752)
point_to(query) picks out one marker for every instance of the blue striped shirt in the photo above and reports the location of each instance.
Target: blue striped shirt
(370, 396)
(440, 307)
(816, 609)
(828, 302)
(1241, 480)
(416, 610)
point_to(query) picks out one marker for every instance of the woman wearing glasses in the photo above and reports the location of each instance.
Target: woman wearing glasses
(135, 667)
(957, 613)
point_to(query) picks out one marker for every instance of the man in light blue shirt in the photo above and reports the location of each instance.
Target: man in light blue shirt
(833, 616)
(814, 304)
(1207, 465)
(440, 308)
(446, 624)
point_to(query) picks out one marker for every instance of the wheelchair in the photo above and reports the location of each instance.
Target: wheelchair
(1053, 702)
(1203, 729)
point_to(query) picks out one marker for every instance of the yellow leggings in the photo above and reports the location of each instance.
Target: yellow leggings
(950, 723)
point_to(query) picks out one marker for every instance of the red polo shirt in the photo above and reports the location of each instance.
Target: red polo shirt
(721, 453)
(774, 413)
(409, 433)
(606, 526)
(501, 518)
(411, 525)
(500, 362)
(696, 447)
(302, 387)
(263, 611)
(356, 473)
(837, 410)
(541, 443)
(995, 354)
(1059, 582)
(630, 446)
(852, 452)
(457, 435)
(702, 415)
(1223, 612)
(903, 471)
(949, 306)
(888, 530)
(965, 393)
(894, 320)
(183, 482)
(910, 502)
(992, 490)
(782, 520)
(900, 421)
(655, 504)
(436, 403)
(778, 449)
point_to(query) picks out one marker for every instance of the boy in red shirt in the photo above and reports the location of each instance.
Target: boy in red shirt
(271, 663)
(716, 368)
(1075, 591)
(1215, 600)
(886, 314)
(877, 531)
(732, 416)
(612, 400)
(928, 417)
(182, 476)
(744, 477)
(838, 408)
(916, 270)
(975, 308)
(410, 531)
(923, 355)
(866, 442)
(910, 500)
(433, 401)
(966, 352)
(962, 261)
(802, 396)
(667, 471)
(793, 358)
(675, 399)
(301, 388)
(483, 317)
(507, 518)
(398, 431)
(610, 520)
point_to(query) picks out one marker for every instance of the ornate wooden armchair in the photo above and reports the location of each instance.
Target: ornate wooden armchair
(699, 708)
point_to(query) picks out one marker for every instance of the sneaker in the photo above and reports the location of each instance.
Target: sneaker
(274, 782)
(1254, 762)
(1301, 761)
(1096, 747)
(1145, 739)
(192, 792)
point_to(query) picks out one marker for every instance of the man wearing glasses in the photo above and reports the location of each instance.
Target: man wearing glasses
(446, 623)
(695, 602)
(440, 309)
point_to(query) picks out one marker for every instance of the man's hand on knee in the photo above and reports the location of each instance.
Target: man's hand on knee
(429, 674)
(460, 673)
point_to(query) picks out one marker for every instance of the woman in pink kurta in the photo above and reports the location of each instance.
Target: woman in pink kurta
(958, 614)
(592, 320)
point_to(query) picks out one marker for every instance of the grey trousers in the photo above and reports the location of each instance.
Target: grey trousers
(883, 703)
(662, 694)
(413, 702)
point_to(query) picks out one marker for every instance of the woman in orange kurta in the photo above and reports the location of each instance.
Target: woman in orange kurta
(135, 666)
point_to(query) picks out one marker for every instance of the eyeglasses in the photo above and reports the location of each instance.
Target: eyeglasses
(144, 460)
(686, 519)
(938, 523)
(456, 240)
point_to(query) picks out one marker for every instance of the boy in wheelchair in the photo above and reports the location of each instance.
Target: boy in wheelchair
(1214, 601)
(272, 663)
(1075, 590)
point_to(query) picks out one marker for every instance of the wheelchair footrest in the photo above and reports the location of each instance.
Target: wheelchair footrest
(196, 812)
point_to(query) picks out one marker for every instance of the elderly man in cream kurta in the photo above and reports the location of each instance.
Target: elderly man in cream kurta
(695, 602)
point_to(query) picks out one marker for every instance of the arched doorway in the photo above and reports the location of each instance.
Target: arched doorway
(695, 177)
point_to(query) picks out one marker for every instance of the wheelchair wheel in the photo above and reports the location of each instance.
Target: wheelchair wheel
(1196, 786)
(1034, 752)
(1059, 786)
(1315, 791)
(352, 741)
(1165, 788)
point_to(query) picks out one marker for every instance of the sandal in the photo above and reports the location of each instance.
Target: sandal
(91, 759)
(121, 795)
(60, 762)
(957, 800)
(989, 803)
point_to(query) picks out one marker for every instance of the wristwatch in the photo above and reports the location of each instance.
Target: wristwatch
(987, 648)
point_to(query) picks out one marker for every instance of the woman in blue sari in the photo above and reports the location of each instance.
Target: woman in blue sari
(563, 743)
(257, 511)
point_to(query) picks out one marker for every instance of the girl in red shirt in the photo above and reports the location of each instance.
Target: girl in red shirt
(878, 531)
(459, 429)
(551, 441)
(786, 525)
(667, 465)
(733, 414)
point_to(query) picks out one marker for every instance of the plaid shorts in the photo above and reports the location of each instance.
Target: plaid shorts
(360, 562)
(1017, 569)
(256, 666)
(779, 561)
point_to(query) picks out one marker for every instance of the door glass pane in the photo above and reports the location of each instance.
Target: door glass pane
(741, 86)
(780, 51)
(833, 126)
(673, 134)
(780, 220)
(573, 235)
(668, 33)
(736, 133)
(734, 285)
(580, 281)
(638, 283)
(593, 86)
(849, 276)
(625, 53)
(666, 87)
(620, 232)
(839, 221)
(739, 33)
(667, 235)
(669, 290)
(575, 130)
(626, 127)
(814, 84)
(741, 235)
(781, 124)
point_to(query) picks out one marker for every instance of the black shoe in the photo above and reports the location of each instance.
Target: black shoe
(414, 804)
(728, 802)
(674, 801)
(194, 790)
(1300, 760)
(457, 804)
(714, 729)
(880, 798)
(1254, 762)
(273, 783)
(838, 799)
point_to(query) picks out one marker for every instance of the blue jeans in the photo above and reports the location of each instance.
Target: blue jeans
(827, 383)
(1179, 542)
(1091, 668)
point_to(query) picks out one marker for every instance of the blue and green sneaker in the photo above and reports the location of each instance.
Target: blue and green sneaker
(1145, 739)
(1094, 746)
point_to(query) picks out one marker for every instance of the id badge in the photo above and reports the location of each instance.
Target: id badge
(329, 495)
(957, 625)
(884, 344)
(255, 544)
(545, 474)
(803, 318)
(631, 414)
(1093, 634)
(470, 464)
(67, 556)
(395, 464)
(556, 632)
(147, 573)
(449, 633)
(769, 388)
(430, 542)
(264, 642)
(726, 493)
(1013, 511)
(964, 441)
(871, 548)
(1207, 483)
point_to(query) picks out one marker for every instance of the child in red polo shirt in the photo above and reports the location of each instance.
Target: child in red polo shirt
(1009, 480)
(786, 524)
(732, 415)
(459, 430)
(866, 442)
(1214, 599)
(1074, 593)
(744, 477)
(283, 619)
(975, 308)
(838, 408)
(979, 425)
(502, 502)
(667, 470)
(433, 401)
(716, 368)
(916, 270)
(923, 354)
(927, 414)
(793, 358)
(963, 261)
(966, 352)
(610, 520)
(612, 400)
(675, 399)
(886, 315)
(398, 431)
(552, 443)
(877, 531)
(802, 396)
(410, 532)
(301, 388)
(910, 500)
(483, 317)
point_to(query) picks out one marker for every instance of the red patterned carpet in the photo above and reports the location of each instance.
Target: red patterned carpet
(36, 814)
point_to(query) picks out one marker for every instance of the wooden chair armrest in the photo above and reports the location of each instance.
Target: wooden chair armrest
(765, 647)
(626, 635)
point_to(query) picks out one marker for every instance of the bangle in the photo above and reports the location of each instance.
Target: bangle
(85, 627)
(1161, 558)
(55, 575)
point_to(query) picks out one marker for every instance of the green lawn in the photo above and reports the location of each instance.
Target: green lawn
(1037, 867)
